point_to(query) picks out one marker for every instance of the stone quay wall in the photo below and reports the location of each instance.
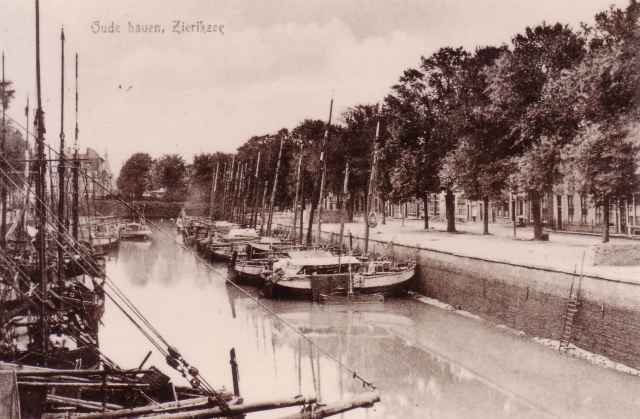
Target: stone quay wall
(528, 298)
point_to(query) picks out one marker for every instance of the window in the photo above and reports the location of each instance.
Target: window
(583, 209)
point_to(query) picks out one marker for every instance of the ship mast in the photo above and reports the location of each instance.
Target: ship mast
(275, 188)
(323, 169)
(3, 192)
(75, 170)
(61, 169)
(41, 214)
(372, 187)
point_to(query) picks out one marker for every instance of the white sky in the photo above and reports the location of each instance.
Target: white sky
(277, 63)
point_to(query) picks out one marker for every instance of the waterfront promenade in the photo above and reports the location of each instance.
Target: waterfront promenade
(563, 251)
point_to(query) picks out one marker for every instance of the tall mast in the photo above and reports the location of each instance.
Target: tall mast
(295, 202)
(3, 191)
(61, 189)
(275, 187)
(256, 188)
(345, 194)
(26, 173)
(41, 213)
(214, 186)
(323, 168)
(75, 215)
(372, 188)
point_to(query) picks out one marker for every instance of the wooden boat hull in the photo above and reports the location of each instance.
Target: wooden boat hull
(247, 275)
(388, 284)
(135, 236)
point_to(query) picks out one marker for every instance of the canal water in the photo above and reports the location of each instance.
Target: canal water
(426, 362)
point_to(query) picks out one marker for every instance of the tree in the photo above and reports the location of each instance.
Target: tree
(605, 159)
(135, 175)
(479, 164)
(356, 147)
(517, 91)
(170, 171)
(409, 142)
(604, 90)
(204, 168)
(444, 72)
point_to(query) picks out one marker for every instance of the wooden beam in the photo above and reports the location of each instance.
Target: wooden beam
(361, 400)
(164, 410)
(85, 404)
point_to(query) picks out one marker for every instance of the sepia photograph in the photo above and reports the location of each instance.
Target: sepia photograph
(285, 209)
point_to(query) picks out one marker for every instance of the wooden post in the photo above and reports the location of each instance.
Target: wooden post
(234, 372)
(513, 215)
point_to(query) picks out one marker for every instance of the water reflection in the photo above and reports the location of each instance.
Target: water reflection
(426, 362)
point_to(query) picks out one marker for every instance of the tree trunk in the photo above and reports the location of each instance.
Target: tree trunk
(605, 217)
(536, 215)
(350, 207)
(450, 210)
(384, 211)
(314, 205)
(485, 221)
(425, 201)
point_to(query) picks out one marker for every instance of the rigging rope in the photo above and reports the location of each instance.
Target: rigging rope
(354, 374)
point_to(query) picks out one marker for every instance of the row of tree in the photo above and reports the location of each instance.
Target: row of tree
(141, 173)
(556, 111)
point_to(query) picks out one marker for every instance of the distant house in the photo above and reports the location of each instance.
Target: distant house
(96, 178)
(155, 194)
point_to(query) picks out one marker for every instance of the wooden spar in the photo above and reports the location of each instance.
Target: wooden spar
(234, 410)
(92, 385)
(61, 163)
(301, 206)
(295, 201)
(223, 183)
(232, 177)
(345, 193)
(164, 410)
(27, 163)
(234, 189)
(3, 185)
(234, 183)
(75, 213)
(323, 168)
(372, 187)
(262, 209)
(214, 186)
(362, 400)
(68, 401)
(229, 187)
(41, 214)
(234, 372)
(46, 372)
(149, 409)
(254, 219)
(245, 191)
(274, 188)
